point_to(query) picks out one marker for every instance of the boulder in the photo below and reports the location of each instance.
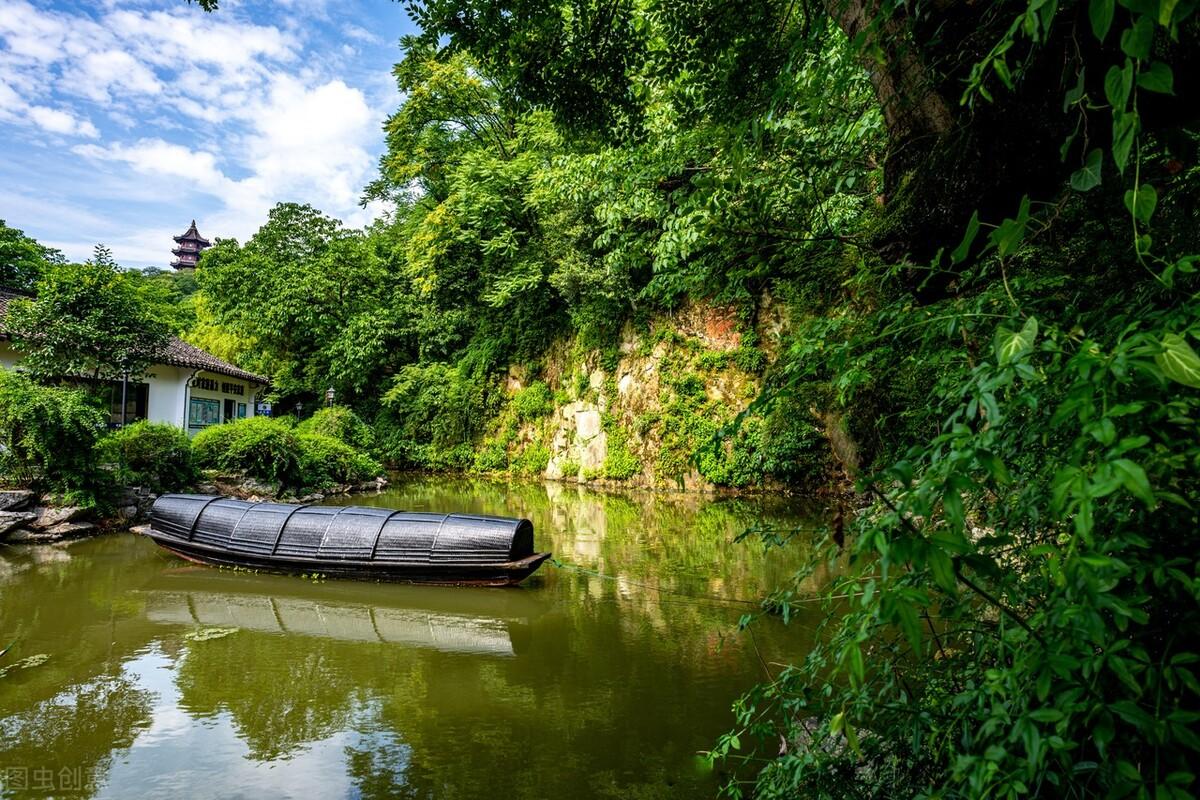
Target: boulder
(11, 520)
(57, 533)
(127, 513)
(48, 517)
(27, 536)
(587, 423)
(15, 499)
(72, 530)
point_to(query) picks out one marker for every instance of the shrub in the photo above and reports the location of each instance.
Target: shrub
(342, 424)
(150, 454)
(493, 457)
(533, 402)
(532, 461)
(260, 447)
(48, 436)
(326, 461)
(431, 415)
(619, 463)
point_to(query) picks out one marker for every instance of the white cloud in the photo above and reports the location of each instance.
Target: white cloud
(161, 159)
(361, 34)
(55, 120)
(197, 110)
(94, 74)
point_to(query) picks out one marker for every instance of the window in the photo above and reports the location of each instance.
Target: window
(207, 384)
(233, 388)
(241, 410)
(137, 397)
(203, 411)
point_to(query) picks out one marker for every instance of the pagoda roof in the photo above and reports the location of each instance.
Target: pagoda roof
(191, 234)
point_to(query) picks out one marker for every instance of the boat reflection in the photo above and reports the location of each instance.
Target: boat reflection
(449, 619)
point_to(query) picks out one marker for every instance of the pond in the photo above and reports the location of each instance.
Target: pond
(601, 678)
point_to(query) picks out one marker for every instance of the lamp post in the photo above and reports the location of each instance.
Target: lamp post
(329, 396)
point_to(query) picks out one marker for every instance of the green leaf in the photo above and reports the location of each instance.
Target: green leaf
(1179, 361)
(1100, 12)
(1136, 41)
(1010, 345)
(952, 504)
(1088, 176)
(1134, 479)
(1011, 232)
(942, 567)
(1046, 715)
(1141, 202)
(964, 247)
(1157, 78)
(1125, 126)
(1118, 83)
(1166, 9)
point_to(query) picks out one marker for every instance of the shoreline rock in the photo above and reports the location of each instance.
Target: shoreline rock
(15, 499)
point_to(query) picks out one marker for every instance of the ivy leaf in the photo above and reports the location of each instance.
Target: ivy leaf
(1100, 12)
(1010, 345)
(1157, 78)
(1141, 202)
(1124, 130)
(1088, 176)
(1118, 83)
(1179, 361)
(1136, 41)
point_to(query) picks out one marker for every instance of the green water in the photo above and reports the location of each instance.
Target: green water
(573, 685)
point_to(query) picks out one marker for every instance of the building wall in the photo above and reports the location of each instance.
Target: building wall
(198, 390)
(164, 402)
(169, 395)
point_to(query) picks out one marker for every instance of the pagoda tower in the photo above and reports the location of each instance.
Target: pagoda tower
(187, 253)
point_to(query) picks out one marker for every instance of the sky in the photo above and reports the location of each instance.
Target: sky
(120, 122)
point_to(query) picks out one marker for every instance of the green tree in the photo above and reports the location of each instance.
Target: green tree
(306, 293)
(22, 259)
(88, 320)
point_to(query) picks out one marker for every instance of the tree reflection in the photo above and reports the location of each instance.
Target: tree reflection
(64, 745)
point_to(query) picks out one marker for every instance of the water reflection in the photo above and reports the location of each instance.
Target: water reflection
(462, 620)
(579, 684)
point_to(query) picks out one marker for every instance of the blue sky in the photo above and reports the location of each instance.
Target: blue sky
(120, 122)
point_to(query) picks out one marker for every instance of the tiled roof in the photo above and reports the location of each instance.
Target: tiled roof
(192, 234)
(175, 352)
(181, 354)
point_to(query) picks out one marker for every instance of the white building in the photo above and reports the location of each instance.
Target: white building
(185, 387)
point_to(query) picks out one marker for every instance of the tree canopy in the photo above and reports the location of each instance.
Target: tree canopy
(982, 219)
(88, 320)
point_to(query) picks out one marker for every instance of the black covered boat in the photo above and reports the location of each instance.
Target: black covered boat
(346, 542)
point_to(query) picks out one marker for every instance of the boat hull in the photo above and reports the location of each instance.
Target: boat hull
(354, 542)
(508, 573)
